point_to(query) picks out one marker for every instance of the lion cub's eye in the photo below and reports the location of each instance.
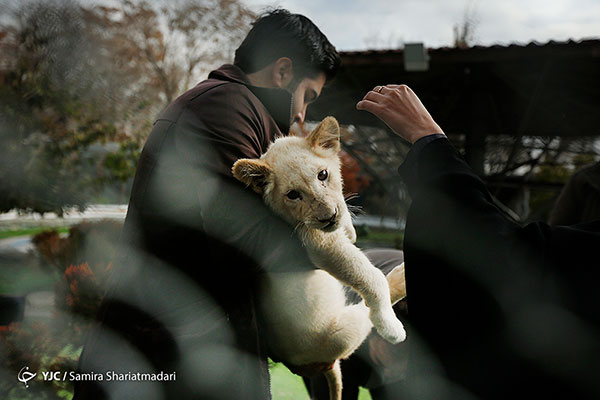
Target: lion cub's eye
(323, 175)
(293, 195)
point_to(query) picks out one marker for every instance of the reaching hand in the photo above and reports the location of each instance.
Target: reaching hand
(400, 108)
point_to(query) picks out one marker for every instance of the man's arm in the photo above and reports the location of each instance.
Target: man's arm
(212, 142)
(453, 221)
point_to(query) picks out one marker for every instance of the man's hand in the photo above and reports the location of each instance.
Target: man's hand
(400, 108)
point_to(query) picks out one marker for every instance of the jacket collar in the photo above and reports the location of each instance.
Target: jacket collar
(278, 102)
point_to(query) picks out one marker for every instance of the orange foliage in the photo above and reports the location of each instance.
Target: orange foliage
(354, 180)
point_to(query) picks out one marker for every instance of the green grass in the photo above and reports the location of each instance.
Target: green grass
(30, 231)
(23, 279)
(21, 273)
(382, 235)
(381, 238)
(287, 386)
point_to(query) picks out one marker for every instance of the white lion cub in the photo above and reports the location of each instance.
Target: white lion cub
(307, 318)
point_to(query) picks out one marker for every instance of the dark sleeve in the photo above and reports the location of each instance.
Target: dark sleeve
(483, 291)
(460, 246)
(213, 132)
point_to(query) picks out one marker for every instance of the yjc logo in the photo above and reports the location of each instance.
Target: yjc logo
(25, 376)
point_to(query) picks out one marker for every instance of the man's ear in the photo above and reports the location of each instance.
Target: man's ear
(326, 135)
(283, 72)
(253, 173)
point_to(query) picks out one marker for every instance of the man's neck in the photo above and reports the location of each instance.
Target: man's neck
(262, 78)
(277, 102)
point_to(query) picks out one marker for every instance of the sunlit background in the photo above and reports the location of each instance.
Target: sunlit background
(363, 24)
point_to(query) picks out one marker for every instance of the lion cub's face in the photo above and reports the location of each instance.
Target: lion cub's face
(299, 178)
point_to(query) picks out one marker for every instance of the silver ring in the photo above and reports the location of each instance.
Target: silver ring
(379, 89)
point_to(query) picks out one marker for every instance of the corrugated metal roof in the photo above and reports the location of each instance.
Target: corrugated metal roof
(571, 49)
(533, 44)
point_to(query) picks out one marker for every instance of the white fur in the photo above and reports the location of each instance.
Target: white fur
(307, 318)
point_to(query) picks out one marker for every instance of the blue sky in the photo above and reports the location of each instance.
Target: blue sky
(361, 24)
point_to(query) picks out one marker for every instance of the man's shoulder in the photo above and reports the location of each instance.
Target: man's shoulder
(216, 90)
(213, 93)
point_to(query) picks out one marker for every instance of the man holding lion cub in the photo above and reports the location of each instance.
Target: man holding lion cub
(184, 291)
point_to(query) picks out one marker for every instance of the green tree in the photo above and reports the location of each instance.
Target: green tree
(50, 109)
(170, 45)
(75, 76)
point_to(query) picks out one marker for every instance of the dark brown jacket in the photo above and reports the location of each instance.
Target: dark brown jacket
(194, 242)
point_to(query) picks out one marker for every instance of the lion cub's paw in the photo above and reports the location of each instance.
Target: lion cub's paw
(350, 233)
(389, 327)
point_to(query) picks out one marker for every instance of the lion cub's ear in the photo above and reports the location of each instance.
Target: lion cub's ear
(253, 173)
(326, 135)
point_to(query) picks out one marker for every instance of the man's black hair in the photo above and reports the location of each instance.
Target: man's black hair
(279, 33)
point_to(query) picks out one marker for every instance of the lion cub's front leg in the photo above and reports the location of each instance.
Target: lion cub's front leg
(335, 253)
(346, 224)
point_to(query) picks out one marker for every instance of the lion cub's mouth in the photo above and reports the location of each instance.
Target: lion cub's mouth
(330, 225)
